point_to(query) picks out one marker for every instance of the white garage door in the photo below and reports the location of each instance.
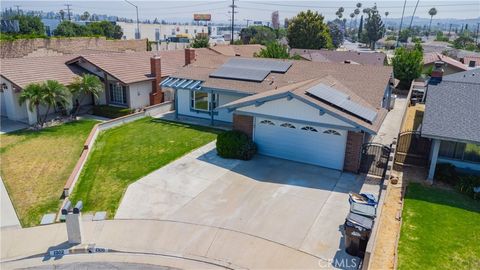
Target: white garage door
(299, 142)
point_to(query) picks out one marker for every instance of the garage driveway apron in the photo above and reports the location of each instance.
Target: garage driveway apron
(294, 204)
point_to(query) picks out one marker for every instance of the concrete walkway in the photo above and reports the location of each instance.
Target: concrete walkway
(392, 123)
(8, 216)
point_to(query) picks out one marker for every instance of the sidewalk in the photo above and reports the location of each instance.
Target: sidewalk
(8, 216)
(392, 123)
(192, 242)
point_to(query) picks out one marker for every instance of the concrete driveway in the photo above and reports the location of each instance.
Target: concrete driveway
(293, 204)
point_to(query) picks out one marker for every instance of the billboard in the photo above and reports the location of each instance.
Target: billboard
(202, 17)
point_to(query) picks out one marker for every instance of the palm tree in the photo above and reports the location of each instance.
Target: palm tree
(432, 12)
(32, 94)
(54, 93)
(352, 15)
(82, 86)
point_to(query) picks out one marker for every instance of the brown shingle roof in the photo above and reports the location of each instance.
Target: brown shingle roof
(362, 58)
(429, 58)
(23, 71)
(238, 50)
(369, 82)
(126, 67)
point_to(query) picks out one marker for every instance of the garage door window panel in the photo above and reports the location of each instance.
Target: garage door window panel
(267, 122)
(332, 132)
(287, 125)
(309, 128)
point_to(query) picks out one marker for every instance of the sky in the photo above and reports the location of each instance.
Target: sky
(247, 9)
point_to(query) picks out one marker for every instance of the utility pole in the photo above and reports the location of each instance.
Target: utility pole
(414, 11)
(68, 11)
(449, 30)
(137, 33)
(233, 6)
(248, 20)
(401, 22)
(476, 36)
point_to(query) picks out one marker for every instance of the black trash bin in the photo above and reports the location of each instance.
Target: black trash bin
(357, 232)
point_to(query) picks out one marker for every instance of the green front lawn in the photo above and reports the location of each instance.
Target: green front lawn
(36, 164)
(124, 154)
(440, 230)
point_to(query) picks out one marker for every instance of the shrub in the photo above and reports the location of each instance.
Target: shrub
(111, 111)
(235, 144)
(446, 173)
(466, 184)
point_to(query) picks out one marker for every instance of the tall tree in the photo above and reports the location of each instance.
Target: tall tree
(200, 42)
(32, 95)
(104, 28)
(54, 93)
(85, 16)
(360, 28)
(407, 65)
(374, 27)
(335, 30)
(29, 25)
(83, 86)
(308, 31)
(257, 35)
(432, 12)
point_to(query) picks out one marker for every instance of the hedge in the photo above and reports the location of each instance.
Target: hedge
(235, 144)
(111, 111)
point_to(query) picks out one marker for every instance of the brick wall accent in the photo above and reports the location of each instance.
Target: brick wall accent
(189, 56)
(353, 151)
(60, 46)
(156, 96)
(243, 123)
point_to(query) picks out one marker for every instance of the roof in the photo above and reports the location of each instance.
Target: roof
(23, 71)
(362, 58)
(451, 108)
(429, 58)
(128, 67)
(238, 50)
(476, 59)
(364, 84)
(299, 91)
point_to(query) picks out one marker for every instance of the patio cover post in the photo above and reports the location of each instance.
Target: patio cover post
(433, 159)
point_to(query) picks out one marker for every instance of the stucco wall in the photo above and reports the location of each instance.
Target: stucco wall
(60, 46)
(140, 94)
(294, 109)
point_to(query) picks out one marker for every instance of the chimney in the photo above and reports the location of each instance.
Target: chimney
(156, 96)
(189, 56)
(437, 73)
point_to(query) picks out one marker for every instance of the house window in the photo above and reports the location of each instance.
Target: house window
(267, 122)
(201, 101)
(460, 151)
(118, 94)
(471, 63)
(186, 31)
(287, 125)
(308, 128)
(333, 132)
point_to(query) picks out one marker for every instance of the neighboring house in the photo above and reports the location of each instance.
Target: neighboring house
(346, 57)
(317, 113)
(471, 61)
(131, 80)
(452, 121)
(238, 50)
(450, 66)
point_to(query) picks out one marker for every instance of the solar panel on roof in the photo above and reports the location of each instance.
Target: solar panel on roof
(342, 101)
(229, 72)
(264, 64)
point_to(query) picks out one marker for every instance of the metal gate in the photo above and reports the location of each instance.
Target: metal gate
(412, 149)
(374, 159)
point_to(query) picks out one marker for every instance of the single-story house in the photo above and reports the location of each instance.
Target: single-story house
(317, 113)
(248, 50)
(452, 121)
(131, 80)
(346, 57)
(450, 65)
(471, 61)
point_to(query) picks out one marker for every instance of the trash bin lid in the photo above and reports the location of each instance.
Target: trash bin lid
(363, 209)
(360, 220)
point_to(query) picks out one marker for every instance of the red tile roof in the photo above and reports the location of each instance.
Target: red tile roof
(429, 58)
(328, 56)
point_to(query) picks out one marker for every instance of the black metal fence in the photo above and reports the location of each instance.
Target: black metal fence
(374, 159)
